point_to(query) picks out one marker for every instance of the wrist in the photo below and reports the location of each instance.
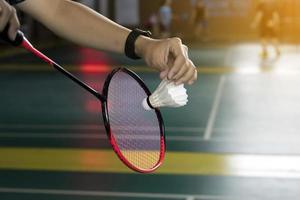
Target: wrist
(135, 43)
(141, 45)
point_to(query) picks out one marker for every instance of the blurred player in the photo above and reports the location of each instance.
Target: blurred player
(198, 18)
(267, 19)
(152, 24)
(165, 18)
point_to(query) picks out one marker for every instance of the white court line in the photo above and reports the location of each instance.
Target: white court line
(214, 111)
(87, 136)
(175, 138)
(114, 194)
(91, 127)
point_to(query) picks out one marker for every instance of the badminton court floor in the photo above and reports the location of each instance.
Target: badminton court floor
(238, 138)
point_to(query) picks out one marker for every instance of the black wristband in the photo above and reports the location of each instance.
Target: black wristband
(13, 2)
(130, 42)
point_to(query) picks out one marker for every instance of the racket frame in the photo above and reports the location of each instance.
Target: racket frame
(111, 138)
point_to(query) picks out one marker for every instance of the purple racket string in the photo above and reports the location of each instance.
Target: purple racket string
(135, 131)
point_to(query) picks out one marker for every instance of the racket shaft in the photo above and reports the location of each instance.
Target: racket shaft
(27, 45)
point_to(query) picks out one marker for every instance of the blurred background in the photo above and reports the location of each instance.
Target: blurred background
(226, 20)
(238, 138)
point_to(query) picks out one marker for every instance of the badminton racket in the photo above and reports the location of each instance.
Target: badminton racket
(135, 134)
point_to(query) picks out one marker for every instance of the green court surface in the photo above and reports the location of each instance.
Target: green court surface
(238, 138)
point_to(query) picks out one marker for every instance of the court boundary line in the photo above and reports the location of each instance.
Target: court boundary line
(102, 136)
(214, 111)
(185, 138)
(115, 194)
(85, 127)
(196, 133)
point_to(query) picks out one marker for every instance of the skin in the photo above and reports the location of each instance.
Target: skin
(168, 56)
(8, 15)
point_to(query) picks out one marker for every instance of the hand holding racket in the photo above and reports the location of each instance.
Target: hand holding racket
(133, 123)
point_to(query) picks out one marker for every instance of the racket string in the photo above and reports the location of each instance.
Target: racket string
(136, 131)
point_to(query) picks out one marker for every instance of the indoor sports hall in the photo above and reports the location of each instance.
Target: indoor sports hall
(238, 138)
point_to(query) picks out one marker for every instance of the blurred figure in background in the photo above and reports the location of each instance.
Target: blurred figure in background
(152, 24)
(199, 19)
(165, 18)
(268, 20)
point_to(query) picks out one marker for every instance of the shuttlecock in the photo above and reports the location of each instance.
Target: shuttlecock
(167, 94)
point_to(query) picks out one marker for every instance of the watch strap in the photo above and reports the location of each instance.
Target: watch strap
(130, 42)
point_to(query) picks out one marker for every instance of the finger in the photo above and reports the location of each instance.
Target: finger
(188, 76)
(164, 74)
(14, 26)
(179, 62)
(171, 61)
(1, 6)
(184, 68)
(5, 15)
(191, 82)
(176, 49)
(185, 50)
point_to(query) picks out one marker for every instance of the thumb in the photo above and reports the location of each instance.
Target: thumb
(13, 28)
(164, 73)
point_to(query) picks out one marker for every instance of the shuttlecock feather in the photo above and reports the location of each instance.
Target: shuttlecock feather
(167, 94)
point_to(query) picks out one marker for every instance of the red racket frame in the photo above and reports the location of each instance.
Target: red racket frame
(108, 129)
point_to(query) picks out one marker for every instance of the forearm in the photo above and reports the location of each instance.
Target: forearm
(79, 24)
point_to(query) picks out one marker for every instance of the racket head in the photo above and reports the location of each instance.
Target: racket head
(137, 136)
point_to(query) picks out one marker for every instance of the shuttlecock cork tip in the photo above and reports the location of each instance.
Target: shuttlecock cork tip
(146, 104)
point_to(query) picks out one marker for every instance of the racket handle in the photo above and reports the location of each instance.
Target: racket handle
(16, 42)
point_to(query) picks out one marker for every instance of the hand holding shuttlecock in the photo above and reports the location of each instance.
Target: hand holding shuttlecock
(167, 94)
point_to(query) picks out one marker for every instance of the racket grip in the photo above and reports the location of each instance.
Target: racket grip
(16, 42)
